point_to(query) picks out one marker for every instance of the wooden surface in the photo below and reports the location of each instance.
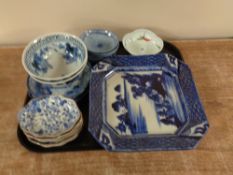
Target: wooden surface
(211, 62)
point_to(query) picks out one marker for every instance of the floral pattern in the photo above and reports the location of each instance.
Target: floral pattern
(49, 116)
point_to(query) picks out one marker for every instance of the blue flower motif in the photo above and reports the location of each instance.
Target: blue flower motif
(40, 63)
(72, 54)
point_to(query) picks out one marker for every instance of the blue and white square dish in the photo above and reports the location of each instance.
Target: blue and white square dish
(143, 103)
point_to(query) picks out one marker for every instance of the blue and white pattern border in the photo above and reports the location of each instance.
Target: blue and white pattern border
(105, 136)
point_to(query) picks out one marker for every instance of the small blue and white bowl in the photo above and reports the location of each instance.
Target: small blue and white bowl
(100, 43)
(73, 88)
(54, 57)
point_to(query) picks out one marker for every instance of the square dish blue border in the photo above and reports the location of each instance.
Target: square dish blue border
(190, 136)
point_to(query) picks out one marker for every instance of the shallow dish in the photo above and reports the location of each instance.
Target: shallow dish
(54, 56)
(142, 42)
(100, 42)
(54, 144)
(142, 103)
(60, 140)
(49, 116)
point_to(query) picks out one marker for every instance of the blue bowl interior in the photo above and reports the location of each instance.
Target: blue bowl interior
(54, 56)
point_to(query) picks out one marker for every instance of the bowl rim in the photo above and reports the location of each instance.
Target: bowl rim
(42, 37)
(61, 81)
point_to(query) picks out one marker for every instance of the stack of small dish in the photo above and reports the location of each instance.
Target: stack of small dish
(51, 121)
(57, 65)
(100, 43)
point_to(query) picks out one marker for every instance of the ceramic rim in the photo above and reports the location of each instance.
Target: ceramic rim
(30, 44)
(101, 31)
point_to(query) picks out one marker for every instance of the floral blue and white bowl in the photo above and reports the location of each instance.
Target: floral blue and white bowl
(49, 116)
(72, 89)
(54, 57)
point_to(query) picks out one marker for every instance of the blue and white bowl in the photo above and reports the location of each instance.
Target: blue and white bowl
(72, 89)
(54, 57)
(100, 43)
(49, 116)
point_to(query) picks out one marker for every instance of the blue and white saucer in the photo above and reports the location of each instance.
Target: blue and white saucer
(100, 43)
(142, 103)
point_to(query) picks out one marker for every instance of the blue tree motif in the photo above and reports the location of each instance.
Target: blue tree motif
(122, 127)
(117, 105)
(145, 84)
(118, 88)
(152, 86)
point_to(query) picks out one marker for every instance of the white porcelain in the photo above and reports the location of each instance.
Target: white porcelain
(142, 42)
(54, 57)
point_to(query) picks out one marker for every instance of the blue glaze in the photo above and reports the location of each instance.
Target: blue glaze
(131, 94)
(100, 43)
(169, 111)
(39, 63)
(40, 56)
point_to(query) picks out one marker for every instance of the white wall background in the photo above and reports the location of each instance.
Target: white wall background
(23, 20)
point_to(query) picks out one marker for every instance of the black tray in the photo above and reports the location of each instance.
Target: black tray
(85, 141)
